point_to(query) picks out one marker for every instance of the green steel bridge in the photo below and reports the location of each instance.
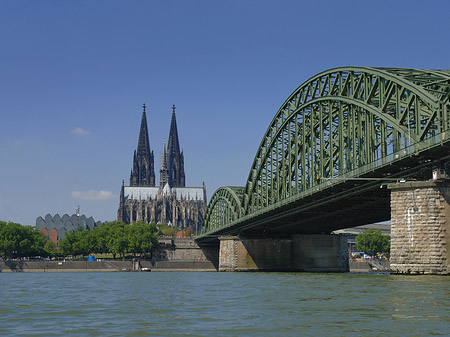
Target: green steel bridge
(331, 149)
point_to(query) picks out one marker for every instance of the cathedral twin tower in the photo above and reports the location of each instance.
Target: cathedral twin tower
(172, 161)
(171, 202)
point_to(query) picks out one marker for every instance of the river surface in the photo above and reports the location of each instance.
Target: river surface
(223, 304)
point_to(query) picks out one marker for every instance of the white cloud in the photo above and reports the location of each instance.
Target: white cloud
(81, 132)
(93, 195)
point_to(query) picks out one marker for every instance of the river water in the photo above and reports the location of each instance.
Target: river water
(223, 304)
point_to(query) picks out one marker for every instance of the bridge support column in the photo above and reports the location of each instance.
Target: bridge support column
(420, 228)
(310, 253)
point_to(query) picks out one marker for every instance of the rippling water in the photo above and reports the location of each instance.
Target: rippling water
(223, 304)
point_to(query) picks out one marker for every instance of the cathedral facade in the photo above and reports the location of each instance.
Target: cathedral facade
(171, 202)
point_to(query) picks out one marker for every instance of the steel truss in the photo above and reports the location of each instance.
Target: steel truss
(342, 122)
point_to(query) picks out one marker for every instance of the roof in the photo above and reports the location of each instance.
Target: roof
(144, 193)
(385, 228)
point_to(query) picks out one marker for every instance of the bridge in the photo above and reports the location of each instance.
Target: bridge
(332, 149)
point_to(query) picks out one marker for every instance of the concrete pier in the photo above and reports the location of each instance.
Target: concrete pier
(309, 253)
(420, 228)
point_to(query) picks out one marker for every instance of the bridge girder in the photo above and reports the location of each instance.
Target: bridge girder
(224, 207)
(342, 122)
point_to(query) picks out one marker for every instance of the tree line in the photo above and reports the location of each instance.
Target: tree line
(23, 241)
(113, 237)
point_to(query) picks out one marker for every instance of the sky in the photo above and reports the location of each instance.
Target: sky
(75, 74)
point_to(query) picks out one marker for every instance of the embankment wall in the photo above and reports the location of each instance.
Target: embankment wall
(420, 229)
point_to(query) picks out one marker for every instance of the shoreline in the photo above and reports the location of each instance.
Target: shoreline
(104, 266)
(138, 266)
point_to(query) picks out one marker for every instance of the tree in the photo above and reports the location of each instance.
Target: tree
(373, 241)
(84, 243)
(141, 238)
(189, 232)
(66, 245)
(50, 248)
(166, 230)
(100, 239)
(20, 241)
(116, 239)
(112, 237)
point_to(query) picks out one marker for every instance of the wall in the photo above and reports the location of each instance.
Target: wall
(420, 218)
(68, 266)
(311, 253)
(185, 250)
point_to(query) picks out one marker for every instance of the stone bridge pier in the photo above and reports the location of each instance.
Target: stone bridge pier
(309, 253)
(420, 227)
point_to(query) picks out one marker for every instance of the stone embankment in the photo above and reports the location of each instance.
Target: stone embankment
(104, 266)
(367, 266)
(65, 266)
(144, 265)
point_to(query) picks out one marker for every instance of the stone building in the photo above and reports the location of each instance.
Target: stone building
(171, 202)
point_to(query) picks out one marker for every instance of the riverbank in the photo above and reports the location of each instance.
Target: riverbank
(368, 266)
(142, 265)
(65, 266)
(104, 266)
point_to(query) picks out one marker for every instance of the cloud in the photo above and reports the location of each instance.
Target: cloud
(81, 132)
(93, 195)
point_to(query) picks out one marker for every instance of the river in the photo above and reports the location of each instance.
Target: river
(223, 304)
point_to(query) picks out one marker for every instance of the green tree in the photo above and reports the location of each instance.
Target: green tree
(50, 248)
(84, 243)
(373, 242)
(100, 239)
(166, 230)
(116, 239)
(141, 238)
(66, 245)
(20, 241)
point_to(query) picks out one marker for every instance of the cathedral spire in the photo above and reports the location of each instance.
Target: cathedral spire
(163, 171)
(143, 148)
(175, 163)
(143, 173)
(173, 146)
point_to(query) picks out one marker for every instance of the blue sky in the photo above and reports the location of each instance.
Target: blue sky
(74, 76)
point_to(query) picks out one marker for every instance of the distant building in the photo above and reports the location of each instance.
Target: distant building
(55, 227)
(353, 232)
(171, 202)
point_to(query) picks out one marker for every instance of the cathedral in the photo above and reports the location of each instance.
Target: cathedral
(171, 202)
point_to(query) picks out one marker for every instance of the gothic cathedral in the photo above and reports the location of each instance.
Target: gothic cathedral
(171, 202)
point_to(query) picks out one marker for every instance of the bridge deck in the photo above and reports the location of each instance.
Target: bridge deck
(344, 204)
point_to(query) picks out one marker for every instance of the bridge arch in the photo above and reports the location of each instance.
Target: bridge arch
(224, 207)
(341, 122)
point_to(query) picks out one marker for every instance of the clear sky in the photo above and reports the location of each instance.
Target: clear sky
(74, 76)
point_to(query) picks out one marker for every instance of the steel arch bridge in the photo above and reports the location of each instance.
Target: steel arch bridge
(319, 165)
